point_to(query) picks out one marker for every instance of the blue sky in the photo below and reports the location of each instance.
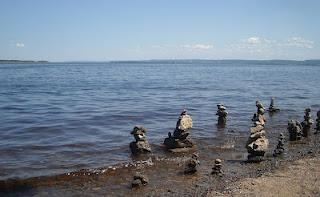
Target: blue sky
(102, 30)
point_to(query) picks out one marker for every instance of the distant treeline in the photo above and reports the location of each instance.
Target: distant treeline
(227, 61)
(20, 61)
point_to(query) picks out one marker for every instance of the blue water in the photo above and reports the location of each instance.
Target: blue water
(61, 117)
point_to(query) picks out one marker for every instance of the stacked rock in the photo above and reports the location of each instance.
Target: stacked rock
(318, 123)
(222, 114)
(139, 180)
(217, 168)
(295, 130)
(259, 116)
(180, 134)
(280, 147)
(272, 108)
(257, 143)
(141, 145)
(192, 164)
(306, 123)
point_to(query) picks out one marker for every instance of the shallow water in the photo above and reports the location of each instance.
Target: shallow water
(63, 117)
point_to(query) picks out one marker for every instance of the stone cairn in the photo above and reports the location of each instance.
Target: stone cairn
(280, 147)
(180, 134)
(141, 145)
(257, 143)
(222, 115)
(139, 180)
(318, 123)
(295, 130)
(306, 123)
(217, 168)
(272, 108)
(192, 164)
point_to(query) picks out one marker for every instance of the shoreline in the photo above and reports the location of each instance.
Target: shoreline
(165, 171)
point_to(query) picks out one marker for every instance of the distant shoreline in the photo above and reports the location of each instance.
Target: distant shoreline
(20, 61)
(179, 61)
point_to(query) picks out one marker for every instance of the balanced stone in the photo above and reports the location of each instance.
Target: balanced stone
(257, 143)
(180, 134)
(191, 166)
(222, 114)
(280, 146)
(259, 116)
(217, 168)
(141, 145)
(295, 130)
(318, 123)
(272, 108)
(139, 180)
(306, 123)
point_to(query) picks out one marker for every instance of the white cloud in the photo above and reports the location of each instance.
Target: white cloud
(189, 47)
(299, 42)
(197, 46)
(20, 45)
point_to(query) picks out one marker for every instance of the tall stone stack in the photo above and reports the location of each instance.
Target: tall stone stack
(141, 145)
(318, 123)
(295, 130)
(257, 143)
(180, 134)
(306, 123)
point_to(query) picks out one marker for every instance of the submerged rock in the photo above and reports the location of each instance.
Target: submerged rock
(180, 134)
(141, 145)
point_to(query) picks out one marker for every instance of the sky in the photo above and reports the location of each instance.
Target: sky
(104, 30)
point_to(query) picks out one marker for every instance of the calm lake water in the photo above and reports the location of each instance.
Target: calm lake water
(63, 117)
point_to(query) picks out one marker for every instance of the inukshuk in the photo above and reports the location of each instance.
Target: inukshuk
(318, 123)
(280, 146)
(257, 143)
(295, 130)
(180, 134)
(141, 145)
(306, 123)
(222, 115)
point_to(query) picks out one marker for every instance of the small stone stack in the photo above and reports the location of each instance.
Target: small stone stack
(306, 123)
(217, 168)
(180, 134)
(295, 130)
(272, 108)
(280, 147)
(222, 115)
(141, 145)
(192, 164)
(139, 180)
(318, 123)
(257, 143)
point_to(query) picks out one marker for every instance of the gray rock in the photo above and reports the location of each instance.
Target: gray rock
(295, 130)
(222, 115)
(192, 164)
(141, 145)
(317, 123)
(217, 168)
